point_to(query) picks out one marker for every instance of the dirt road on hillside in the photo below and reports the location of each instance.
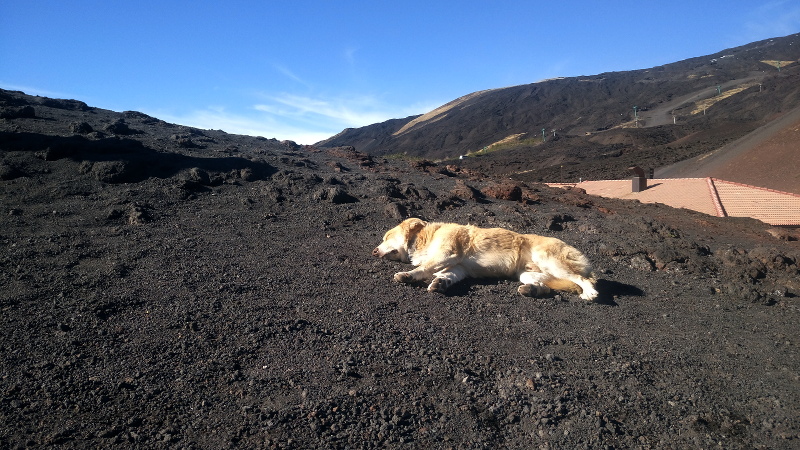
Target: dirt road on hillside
(663, 113)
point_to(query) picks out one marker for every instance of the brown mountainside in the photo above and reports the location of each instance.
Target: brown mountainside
(684, 109)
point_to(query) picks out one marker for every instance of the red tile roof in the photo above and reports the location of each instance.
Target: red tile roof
(707, 195)
(766, 205)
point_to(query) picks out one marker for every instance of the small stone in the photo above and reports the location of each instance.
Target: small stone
(395, 211)
(80, 128)
(640, 262)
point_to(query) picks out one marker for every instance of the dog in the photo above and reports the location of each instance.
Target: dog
(450, 252)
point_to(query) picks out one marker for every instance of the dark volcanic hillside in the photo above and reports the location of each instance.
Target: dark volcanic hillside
(169, 287)
(589, 120)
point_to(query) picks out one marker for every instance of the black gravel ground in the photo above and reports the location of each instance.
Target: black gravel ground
(167, 287)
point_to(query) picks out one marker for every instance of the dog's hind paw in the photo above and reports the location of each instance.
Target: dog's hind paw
(534, 290)
(589, 294)
(403, 277)
(439, 285)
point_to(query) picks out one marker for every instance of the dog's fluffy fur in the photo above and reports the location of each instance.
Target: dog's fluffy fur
(450, 252)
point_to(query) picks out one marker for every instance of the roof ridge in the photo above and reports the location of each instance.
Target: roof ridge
(712, 189)
(684, 178)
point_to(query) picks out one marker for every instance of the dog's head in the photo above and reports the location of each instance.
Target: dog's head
(396, 242)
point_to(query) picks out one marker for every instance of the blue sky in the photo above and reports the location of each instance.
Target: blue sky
(304, 70)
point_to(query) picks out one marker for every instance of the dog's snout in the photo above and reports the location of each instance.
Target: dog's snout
(376, 252)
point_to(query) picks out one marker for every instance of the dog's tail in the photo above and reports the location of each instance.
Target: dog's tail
(559, 284)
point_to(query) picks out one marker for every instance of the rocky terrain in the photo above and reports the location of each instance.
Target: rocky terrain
(169, 287)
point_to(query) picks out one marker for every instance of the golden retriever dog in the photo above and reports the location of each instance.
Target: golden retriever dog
(450, 252)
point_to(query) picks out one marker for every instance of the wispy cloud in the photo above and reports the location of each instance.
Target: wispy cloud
(303, 119)
(350, 55)
(346, 112)
(332, 114)
(253, 124)
(30, 90)
(774, 19)
(288, 73)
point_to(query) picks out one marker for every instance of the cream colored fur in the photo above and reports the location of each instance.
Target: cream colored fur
(450, 252)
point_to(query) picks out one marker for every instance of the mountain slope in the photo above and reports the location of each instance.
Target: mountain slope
(697, 104)
(766, 157)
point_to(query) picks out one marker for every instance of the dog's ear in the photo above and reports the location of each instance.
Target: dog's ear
(414, 225)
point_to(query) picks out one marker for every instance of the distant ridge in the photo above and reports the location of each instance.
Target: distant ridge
(594, 127)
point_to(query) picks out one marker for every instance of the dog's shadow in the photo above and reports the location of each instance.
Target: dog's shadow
(608, 291)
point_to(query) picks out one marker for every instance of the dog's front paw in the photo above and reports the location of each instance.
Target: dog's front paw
(403, 277)
(439, 285)
(589, 294)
